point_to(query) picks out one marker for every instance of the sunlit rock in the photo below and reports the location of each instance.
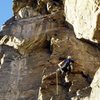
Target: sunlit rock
(26, 12)
(95, 93)
(10, 41)
(85, 18)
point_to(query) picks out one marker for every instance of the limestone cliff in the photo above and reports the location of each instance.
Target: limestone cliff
(85, 18)
(31, 48)
(95, 86)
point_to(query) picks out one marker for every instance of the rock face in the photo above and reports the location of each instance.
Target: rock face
(30, 69)
(95, 93)
(30, 8)
(31, 48)
(85, 18)
(18, 4)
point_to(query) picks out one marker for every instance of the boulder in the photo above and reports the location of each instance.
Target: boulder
(85, 18)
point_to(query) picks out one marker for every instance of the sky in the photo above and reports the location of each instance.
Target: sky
(5, 11)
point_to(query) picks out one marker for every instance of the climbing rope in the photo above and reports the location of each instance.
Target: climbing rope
(56, 82)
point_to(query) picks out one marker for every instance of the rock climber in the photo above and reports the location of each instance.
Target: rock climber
(66, 66)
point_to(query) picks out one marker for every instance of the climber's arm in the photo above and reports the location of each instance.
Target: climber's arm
(60, 64)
